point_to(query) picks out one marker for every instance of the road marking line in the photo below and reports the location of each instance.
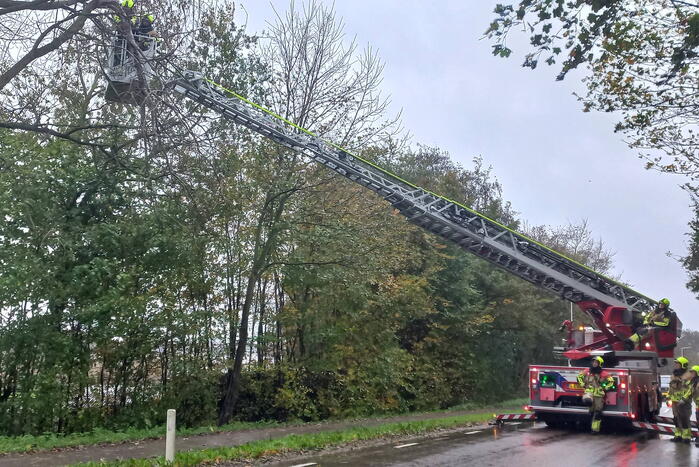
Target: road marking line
(304, 465)
(405, 445)
(473, 432)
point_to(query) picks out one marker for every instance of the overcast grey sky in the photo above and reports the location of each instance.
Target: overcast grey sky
(556, 163)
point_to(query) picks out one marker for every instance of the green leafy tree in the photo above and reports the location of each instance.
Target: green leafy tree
(641, 60)
(315, 81)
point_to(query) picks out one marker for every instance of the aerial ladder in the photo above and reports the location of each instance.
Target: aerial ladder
(615, 308)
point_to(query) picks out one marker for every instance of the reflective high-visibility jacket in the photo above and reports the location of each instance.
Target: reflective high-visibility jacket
(694, 384)
(680, 388)
(595, 384)
(656, 318)
(127, 5)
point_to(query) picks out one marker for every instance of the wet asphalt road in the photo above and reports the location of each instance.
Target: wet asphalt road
(520, 445)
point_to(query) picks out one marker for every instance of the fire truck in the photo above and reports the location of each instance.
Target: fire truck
(614, 308)
(555, 394)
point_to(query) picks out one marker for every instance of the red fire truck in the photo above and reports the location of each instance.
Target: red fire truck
(556, 396)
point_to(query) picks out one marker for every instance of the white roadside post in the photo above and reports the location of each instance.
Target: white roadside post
(170, 436)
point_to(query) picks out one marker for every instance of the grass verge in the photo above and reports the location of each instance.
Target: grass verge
(294, 443)
(51, 441)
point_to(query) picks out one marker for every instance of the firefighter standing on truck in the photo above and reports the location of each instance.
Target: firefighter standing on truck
(596, 382)
(680, 394)
(658, 318)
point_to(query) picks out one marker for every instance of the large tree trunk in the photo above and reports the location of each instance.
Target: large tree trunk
(261, 344)
(232, 387)
(279, 307)
(274, 205)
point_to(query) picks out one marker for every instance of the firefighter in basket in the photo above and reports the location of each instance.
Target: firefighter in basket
(596, 383)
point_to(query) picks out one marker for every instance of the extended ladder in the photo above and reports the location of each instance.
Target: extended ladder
(472, 231)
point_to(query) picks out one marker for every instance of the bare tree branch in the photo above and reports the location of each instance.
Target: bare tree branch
(51, 132)
(12, 6)
(38, 51)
